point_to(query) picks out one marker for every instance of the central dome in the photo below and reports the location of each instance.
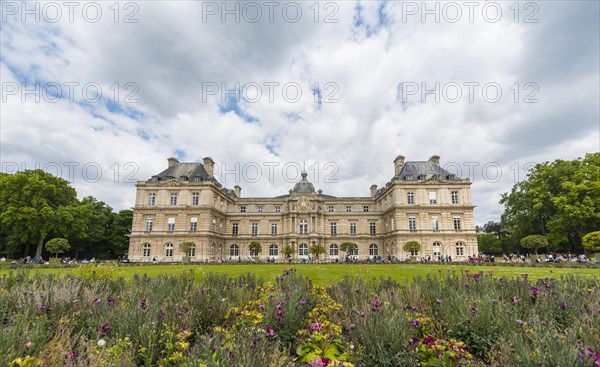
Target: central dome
(304, 185)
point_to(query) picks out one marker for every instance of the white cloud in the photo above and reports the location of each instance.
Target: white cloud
(170, 54)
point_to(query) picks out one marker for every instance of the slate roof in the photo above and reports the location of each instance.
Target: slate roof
(191, 171)
(304, 185)
(423, 170)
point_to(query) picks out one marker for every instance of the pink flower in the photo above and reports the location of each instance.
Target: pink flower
(270, 332)
(279, 315)
(317, 326)
(319, 362)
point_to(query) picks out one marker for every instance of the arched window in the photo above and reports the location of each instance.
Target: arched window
(253, 252)
(303, 249)
(460, 249)
(334, 250)
(437, 249)
(168, 249)
(373, 250)
(146, 249)
(234, 250)
(192, 251)
(273, 250)
(303, 227)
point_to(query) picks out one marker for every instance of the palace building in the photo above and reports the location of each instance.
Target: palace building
(185, 204)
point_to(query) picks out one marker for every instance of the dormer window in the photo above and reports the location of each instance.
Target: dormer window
(155, 178)
(197, 178)
(183, 178)
(170, 177)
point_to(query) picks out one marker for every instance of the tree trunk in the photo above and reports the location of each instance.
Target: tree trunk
(40, 247)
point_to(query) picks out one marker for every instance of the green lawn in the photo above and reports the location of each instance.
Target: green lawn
(320, 274)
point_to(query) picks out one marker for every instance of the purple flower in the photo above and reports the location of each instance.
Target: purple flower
(473, 310)
(270, 332)
(278, 304)
(374, 305)
(360, 313)
(162, 315)
(104, 329)
(352, 326)
(143, 303)
(209, 310)
(97, 301)
(261, 306)
(534, 290)
(438, 301)
(110, 301)
(302, 302)
(279, 315)
(520, 322)
(317, 326)
(416, 324)
(318, 362)
(562, 305)
(514, 300)
(524, 276)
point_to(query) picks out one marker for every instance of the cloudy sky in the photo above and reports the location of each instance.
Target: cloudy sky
(102, 93)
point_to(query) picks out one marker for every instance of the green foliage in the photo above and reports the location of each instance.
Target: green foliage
(317, 250)
(560, 199)
(489, 244)
(412, 246)
(534, 241)
(57, 246)
(255, 248)
(591, 241)
(348, 247)
(287, 250)
(36, 204)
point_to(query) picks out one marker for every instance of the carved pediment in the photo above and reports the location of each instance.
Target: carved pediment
(173, 183)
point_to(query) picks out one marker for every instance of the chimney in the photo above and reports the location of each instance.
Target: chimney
(209, 166)
(238, 191)
(398, 164)
(435, 159)
(373, 190)
(172, 161)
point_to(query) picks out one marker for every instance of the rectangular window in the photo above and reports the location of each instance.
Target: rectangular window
(365, 208)
(151, 198)
(260, 209)
(173, 198)
(333, 226)
(432, 198)
(410, 197)
(273, 229)
(372, 228)
(234, 229)
(330, 208)
(193, 224)
(454, 196)
(352, 228)
(195, 198)
(412, 224)
(255, 229)
(277, 208)
(457, 224)
(242, 209)
(348, 208)
(149, 223)
(170, 224)
(460, 251)
(435, 224)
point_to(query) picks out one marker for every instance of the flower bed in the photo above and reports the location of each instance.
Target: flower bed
(457, 319)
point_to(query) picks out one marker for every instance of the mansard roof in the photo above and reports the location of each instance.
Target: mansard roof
(187, 171)
(423, 170)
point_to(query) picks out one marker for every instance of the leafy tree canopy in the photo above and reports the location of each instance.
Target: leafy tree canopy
(57, 246)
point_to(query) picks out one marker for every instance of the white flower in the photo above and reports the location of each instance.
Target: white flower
(101, 342)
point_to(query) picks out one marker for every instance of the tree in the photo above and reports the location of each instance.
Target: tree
(560, 200)
(317, 249)
(534, 241)
(57, 246)
(255, 248)
(591, 241)
(35, 204)
(119, 230)
(185, 247)
(348, 247)
(287, 250)
(412, 247)
(489, 244)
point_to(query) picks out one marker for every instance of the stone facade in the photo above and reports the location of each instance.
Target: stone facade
(185, 203)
